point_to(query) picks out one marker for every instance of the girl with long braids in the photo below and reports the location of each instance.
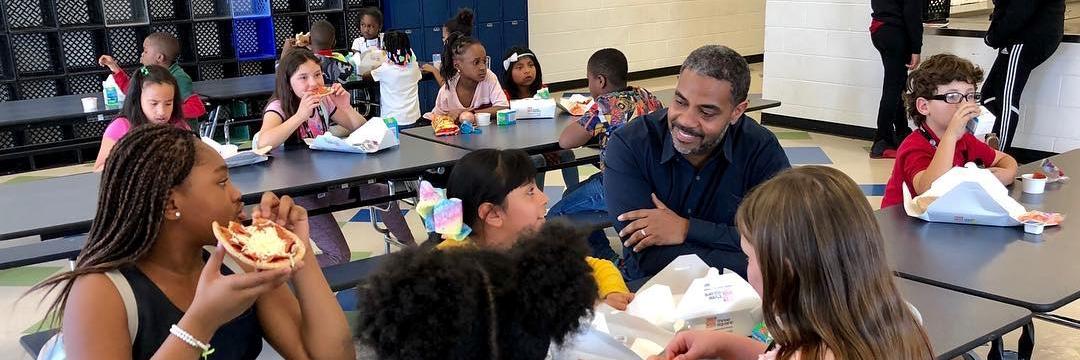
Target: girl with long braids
(160, 191)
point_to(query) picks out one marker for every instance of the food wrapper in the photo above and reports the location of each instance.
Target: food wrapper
(441, 215)
(966, 195)
(233, 157)
(372, 137)
(534, 108)
(576, 104)
(444, 126)
(1052, 172)
(687, 294)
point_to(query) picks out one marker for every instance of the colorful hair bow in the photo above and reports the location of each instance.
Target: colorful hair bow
(441, 215)
(513, 59)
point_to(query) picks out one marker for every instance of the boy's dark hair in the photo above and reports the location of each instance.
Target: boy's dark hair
(508, 80)
(323, 35)
(372, 12)
(612, 64)
(166, 44)
(460, 23)
(940, 69)
(139, 173)
(398, 48)
(471, 303)
(456, 44)
(153, 74)
(487, 176)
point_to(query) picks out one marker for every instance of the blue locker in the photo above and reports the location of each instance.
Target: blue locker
(491, 35)
(416, 40)
(515, 10)
(436, 12)
(427, 92)
(516, 33)
(402, 14)
(432, 42)
(489, 10)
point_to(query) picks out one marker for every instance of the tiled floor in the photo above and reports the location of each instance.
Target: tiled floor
(850, 156)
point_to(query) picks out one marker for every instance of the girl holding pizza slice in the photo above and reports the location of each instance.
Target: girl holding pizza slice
(299, 110)
(160, 191)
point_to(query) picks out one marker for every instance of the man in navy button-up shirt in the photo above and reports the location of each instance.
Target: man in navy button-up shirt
(675, 177)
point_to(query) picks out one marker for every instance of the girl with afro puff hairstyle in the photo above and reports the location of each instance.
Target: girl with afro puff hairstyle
(474, 303)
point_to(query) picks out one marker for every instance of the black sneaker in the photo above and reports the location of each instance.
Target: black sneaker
(880, 148)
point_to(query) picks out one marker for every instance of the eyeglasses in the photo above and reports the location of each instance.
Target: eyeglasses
(956, 98)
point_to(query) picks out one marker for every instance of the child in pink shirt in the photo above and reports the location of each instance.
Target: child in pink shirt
(471, 87)
(153, 98)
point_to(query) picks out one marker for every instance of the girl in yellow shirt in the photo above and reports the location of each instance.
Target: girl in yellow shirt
(500, 201)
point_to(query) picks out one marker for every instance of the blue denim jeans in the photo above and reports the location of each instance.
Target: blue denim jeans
(587, 197)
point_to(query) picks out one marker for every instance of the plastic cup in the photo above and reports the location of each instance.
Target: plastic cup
(1034, 228)
(89, 104)
(1031, 185)
(483, 119)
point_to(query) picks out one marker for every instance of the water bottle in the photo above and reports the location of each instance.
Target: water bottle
(111, 93)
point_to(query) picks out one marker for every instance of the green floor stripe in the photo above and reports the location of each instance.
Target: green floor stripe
(792, 135)
(360, 255)
(45, 324)
(26, 179)
(26, 276)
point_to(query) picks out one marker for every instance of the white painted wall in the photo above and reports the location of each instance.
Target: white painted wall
(652, 33)
(820, 63)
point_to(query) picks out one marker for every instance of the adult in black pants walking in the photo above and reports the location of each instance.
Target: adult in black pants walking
(1025, 34)
(896, 30)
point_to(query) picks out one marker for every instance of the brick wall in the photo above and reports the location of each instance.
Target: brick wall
(652, 33)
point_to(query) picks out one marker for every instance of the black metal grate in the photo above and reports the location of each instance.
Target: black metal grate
(252, 68)
(936, 10)
(125, 12)
(36, 53)
(183, 34)
(325, 5)
(287, 26)
(78, 12)
(125, 44)
(82, 49)
(7, 64)
(40, 88)
(212, 40)
(84, 84)
(210, 9)
(352, 25)
(287, 6)
(166, 10)
(29, 14)
(44, 135)
(7, 140)
(89, 129)
(211, 71)
(7, 91)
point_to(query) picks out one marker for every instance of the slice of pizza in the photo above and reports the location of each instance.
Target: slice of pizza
(264, 244)
(322, 91)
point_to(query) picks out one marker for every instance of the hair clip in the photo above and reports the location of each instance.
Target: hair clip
(513, 59)
(441, 215)
(145, 71)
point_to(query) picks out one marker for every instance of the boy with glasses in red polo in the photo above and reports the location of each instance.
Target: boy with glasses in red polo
(941, 99)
